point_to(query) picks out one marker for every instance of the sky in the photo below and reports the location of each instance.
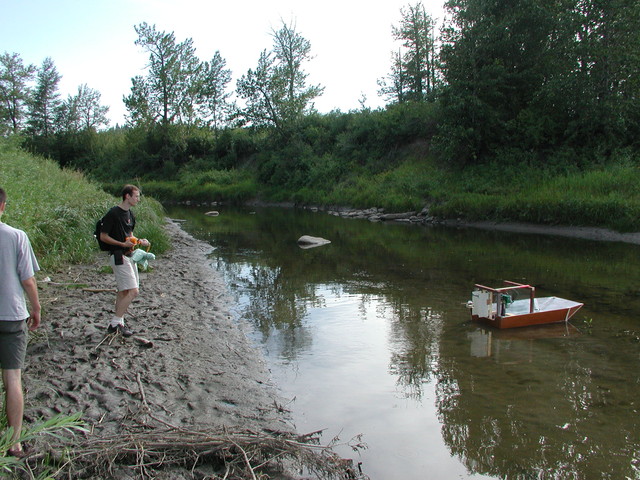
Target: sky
(92, 42)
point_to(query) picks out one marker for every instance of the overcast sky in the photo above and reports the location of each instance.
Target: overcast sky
(92, 41)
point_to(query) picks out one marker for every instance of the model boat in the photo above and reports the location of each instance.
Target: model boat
(516, 305)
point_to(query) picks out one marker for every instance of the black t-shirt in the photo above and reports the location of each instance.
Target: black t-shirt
(118, 224)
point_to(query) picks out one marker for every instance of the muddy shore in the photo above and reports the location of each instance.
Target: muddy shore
(189, 359)
(585, 233)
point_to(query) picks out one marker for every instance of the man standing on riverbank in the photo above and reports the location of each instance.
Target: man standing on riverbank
(18, 266)
(117, 232)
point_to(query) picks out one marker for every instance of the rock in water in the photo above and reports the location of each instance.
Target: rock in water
(307, 241)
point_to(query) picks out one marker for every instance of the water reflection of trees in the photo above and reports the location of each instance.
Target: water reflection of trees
(273, 305)
(559, 408)
(546, 417)
(414, 340)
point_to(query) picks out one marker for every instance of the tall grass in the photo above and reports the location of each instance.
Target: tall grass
(599, 198)
(59, 426)
(403, 188)
(58, 208)
(230, 186)
(603, 196)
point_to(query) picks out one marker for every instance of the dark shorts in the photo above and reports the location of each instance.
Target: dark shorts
(13, 344)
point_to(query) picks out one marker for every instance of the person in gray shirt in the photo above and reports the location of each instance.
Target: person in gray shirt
(18, 266)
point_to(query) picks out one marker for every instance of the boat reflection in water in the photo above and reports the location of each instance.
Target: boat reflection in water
(515, 343)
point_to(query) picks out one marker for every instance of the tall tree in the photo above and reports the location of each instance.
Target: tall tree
(14, 91)
(414, 71)
(68, 118)
(165, 95)
(498, 57)
(276, 92)
(92, 114)
(214, 99)
(83, 111)
(394, 88)
(45, 100)
(257, 89)
(291, 51)
(536, 77)
(139, 104)
(608, 73)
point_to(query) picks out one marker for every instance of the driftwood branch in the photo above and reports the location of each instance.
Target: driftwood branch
(243, 452)
(142, 395)
(143, 342)
(149, 445)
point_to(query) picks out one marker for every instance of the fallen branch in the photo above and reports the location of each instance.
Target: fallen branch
(144, 342)
(243, 453)
(63, 284)
(142, 395)
(246, 459)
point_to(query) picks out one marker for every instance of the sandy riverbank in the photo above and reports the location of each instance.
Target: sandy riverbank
(585, 233)
(200, 372)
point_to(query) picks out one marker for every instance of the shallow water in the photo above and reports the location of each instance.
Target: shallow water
(370, 336)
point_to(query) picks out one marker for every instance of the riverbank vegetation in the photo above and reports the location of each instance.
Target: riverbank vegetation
(58, 208)
(524, 112)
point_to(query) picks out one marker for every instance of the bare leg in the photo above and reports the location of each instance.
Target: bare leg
(123, 300)
(14, 402)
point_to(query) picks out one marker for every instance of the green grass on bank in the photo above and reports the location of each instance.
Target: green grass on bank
(403, 188)
(605, 197)
(59, 208)
(232, 186)
(600, 196)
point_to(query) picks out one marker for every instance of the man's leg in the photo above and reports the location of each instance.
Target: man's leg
(123, 300)
(14, 402)
(127, 282)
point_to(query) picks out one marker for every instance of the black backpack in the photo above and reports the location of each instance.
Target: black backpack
(103, 246)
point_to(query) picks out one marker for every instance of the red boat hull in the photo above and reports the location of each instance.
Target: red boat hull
(530, 319)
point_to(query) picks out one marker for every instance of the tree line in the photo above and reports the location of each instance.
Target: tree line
(38, 110)
(509, 81)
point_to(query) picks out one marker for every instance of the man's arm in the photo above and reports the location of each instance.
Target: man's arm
(31, 289)
(106, 238)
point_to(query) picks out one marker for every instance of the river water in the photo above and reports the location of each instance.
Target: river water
(370, 340)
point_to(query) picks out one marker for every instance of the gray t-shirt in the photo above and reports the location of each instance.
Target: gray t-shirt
(17, 263)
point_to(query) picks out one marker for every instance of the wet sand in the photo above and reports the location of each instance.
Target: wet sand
(199, 370)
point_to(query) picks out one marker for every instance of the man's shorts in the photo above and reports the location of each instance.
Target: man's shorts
(126, 274)
(13, 344)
